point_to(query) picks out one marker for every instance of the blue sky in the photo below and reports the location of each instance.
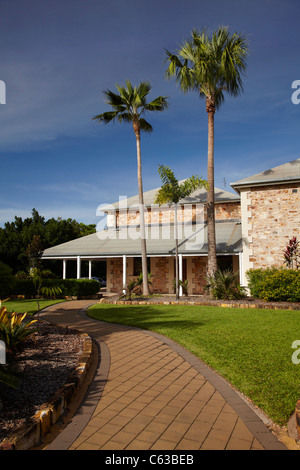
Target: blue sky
(57, 57)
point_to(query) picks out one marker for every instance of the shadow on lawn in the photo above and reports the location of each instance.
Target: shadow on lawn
(143, 317)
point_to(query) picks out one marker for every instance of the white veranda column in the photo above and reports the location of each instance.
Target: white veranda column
(90, 269)
(180, 273)
(241, 269)
(124, 274)
(64, 269)
(78, 267)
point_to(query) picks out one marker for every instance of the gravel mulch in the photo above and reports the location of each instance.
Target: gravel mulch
(43, 366)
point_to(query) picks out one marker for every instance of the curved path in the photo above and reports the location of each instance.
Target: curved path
(150, 393)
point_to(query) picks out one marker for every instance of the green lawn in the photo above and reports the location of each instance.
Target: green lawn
(28, 305)
(251, 348)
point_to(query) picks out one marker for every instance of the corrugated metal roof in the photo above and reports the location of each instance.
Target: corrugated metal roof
(160, 241)
(287, 172)
(197, 197)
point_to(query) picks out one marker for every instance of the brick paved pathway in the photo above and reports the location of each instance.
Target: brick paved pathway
(149, 393)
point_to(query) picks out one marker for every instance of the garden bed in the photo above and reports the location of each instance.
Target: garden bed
(43, 366)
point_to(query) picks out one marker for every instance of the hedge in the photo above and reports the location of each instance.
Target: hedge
(275, 284)
(69, 287)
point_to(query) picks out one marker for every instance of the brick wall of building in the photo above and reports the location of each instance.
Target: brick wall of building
(163, 215)
(162, 274)
(270, 218)
(162, 268)
(114, 274)
(197, 279)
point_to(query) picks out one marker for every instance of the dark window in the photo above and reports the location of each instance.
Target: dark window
(225, 262)
(137, 266)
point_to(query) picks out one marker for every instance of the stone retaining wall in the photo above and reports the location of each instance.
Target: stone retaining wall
(209, 303)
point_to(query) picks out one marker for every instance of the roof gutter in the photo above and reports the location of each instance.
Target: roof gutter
(237, 186)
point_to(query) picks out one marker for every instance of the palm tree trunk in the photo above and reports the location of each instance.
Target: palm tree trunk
(146, 291)
(211, 229)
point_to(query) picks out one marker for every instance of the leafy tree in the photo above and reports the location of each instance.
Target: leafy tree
(16, 236)
(38, 284)
(211, 66)
(7, 279)
(34, 252)
(171, 192)
(129, 105)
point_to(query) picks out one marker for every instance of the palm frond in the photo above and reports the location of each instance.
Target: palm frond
(191, 184)
(167, 175)
(106, 117)
(125, 93)
(174, 66)
(113, 99)
(143, 89)
(130, 87)
(164, 195)
(211, 65)
(130, 103)
(125, 117)
(145, 125)
(171, 191)
(159, 104)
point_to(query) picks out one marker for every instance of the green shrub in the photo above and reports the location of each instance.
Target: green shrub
(69, 287)
(225, 285)
(255, 278)
(275, 284)
(21, 275)
(7, 280)
(183, 284)
(47, 274)
(22, 287)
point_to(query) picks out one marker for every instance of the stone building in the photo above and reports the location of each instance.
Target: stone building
(253, 228)
(270, 215)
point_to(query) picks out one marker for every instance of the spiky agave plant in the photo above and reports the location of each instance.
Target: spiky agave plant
(13, 328)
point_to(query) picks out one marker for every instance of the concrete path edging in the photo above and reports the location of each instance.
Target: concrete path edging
(80, 420)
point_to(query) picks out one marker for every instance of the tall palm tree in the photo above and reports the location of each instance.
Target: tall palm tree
(129, 105)
(212, 66)
(171, 192)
